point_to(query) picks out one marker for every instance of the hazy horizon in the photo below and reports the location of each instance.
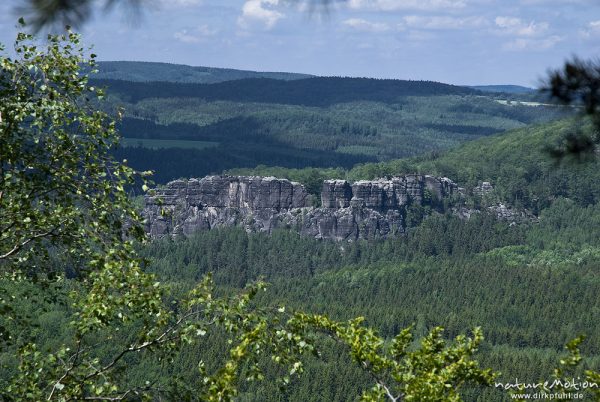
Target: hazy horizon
(306, 73)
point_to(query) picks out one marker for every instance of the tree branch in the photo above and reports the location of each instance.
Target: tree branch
(136, 348)
(68, 371)
(18, 247)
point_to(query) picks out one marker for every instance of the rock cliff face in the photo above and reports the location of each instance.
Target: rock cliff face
(362, 210)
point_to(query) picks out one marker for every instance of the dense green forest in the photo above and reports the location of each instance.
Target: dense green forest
(529, 299)
(316, 122)
(317, 91)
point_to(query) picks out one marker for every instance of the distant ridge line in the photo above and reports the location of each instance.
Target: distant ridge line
(146, 71)
(314, 91)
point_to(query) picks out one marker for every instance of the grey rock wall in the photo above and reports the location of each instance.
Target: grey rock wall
(361, 210)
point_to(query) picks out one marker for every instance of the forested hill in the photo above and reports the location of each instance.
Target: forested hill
(317, 91)
(151, 71)
(517, 163)
(192, 129)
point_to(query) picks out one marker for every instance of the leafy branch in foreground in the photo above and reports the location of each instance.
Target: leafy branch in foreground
(78, 373)
(58, 184)
(569, 382)
(433, 372)
(567, 368)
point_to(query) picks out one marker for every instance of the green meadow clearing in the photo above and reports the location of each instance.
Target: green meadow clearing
(161, 144)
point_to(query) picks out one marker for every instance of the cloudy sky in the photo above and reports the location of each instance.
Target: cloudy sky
(453, 41)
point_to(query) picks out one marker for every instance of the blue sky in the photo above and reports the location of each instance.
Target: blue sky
(453, 41)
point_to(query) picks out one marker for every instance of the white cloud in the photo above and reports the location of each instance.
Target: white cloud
(592, 30)
(528, 36)
(558, 2)
(195, 35)
(395, 5)
(532, 44)
(442, 22)
(366, 26)
(180, 3)
(518, 27)
(260, 11)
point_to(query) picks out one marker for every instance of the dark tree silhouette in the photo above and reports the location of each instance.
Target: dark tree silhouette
(42, 14)
(577, 84)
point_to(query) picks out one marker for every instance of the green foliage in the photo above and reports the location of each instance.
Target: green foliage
(62, 195)
(569, 382)
(43, 184)
(60, 191)
(568, 367)
(80, 373)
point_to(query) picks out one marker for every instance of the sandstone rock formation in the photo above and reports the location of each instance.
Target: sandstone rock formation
(483, 189)
(362, 210)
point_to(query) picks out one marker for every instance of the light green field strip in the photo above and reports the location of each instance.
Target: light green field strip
(160, 144)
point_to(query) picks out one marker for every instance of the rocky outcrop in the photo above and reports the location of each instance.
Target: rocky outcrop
(483, 189)
(361, 210)
(512, 215)
(503, 212)
(185, 206)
